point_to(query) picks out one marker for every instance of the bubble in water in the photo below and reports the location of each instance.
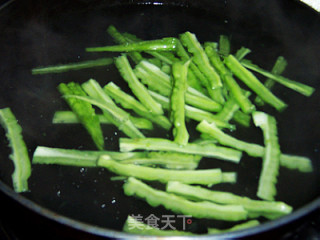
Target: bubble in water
(103, 205)
(113, 201)
(82, 170)
(59, 193)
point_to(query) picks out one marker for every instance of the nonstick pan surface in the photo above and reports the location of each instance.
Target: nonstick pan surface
(35, 33)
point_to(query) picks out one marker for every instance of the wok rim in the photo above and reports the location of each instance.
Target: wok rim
(105, 232)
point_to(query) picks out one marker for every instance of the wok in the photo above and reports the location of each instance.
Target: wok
(35, 33)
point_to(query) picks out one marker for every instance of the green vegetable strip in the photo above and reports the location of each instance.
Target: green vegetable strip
(120, 39)
(255, 207)
(129, 102)
(70, 117)
(296, 86)
(253, 83)
(155, 198)
(201, 60)
(154, 84)
(202, 80)
(166, 57)
(69, 157)
(205, 138)
(166, 68)
(158, 81)
(214, 45)
(126, 100)
(212, 92)
(136, 86)
(193, 81)
(81, 158)
(162, 78)
(141, 123)
(67, 117)
(206, 177)
(72, 66)
(277, 69)
(180, 132)
(52, 155)
(242, 52)
(238, 94)
(195, 78)
(84, 111)
(160, 144)
(215, 60)
(224, 45)
(229, 177)
(118, 178)
(119, 117)
(192, 113)
(48, 155)
(131, 225)
(184, 56)
(302, 164)
(240, 226)
(271, 159)
(252, 149)
(199, 101)
(170, 160)
(230, 109)
(156, 62)
(164, 44)
(19, 155)
(174, 155)
(242, 118)
(164, 163)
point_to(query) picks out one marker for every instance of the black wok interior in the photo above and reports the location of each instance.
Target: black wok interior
(40, 33)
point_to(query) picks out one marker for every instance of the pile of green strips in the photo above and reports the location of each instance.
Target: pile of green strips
(174, 81)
